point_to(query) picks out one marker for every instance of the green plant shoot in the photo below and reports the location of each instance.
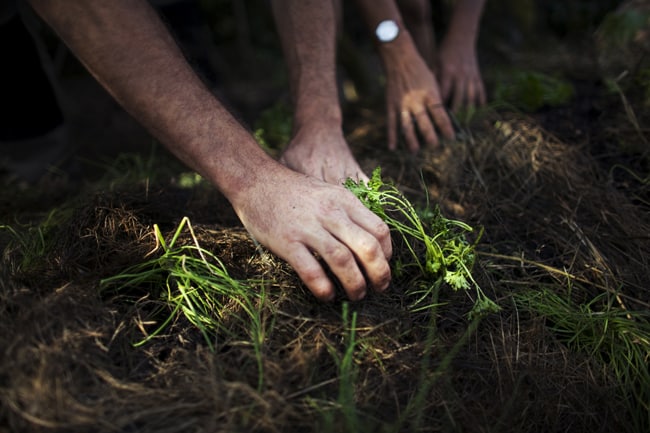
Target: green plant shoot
(197, 284)
(436, 246)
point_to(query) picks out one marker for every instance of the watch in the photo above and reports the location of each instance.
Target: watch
(387, 31)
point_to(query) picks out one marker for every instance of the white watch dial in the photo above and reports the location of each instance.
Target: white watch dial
(387, 30)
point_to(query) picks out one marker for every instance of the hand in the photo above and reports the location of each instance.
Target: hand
(295, 216)
(412, 96)
(320, 150)
(460, 78)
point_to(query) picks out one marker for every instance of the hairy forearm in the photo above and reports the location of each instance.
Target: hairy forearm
(307, 31)
(130, 52)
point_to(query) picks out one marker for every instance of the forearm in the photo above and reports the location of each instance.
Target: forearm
(465, 20)
(376, 11)
(130, 52)
(128, 49)
(307, 30)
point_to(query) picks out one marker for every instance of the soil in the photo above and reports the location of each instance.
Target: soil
(560, 194)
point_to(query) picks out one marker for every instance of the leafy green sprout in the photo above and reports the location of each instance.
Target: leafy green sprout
(197, 284)
(448, 256)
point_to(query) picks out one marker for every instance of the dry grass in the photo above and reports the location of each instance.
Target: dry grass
(564, 202)
(552, 219)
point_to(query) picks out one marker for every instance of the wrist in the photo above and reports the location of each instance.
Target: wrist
(459, 39)
(234, 175)
(454, 47)
(387, 31)
(317, 115)
(402, 38)
(392, 53)
(390, 34)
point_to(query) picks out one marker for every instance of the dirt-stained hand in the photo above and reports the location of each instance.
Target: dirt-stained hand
(413, 99)
(320, 150)
(296, 215)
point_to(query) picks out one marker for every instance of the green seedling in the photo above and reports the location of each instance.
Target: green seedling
(617, 338)
(32, 242)
(195, 282)
(344, 413)
(437, 246)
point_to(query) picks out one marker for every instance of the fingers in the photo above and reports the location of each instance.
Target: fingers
(445, 86)
(341, 261)
(357, 253)
(441, 119)
(463, 90)
(392, 130)
(409, 131)
(459, 96)
(311, 273)
(475, 94)
(426, 127)
(427, 120)
(482, 99)
(361, 176)
(374, 225)
(468, 93)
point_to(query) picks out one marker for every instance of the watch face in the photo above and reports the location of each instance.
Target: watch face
(387, 30)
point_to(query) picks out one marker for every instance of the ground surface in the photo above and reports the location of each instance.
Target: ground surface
(561, 194)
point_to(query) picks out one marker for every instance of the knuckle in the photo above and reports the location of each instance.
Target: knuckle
(369, 249)
(337, 255)
(383, 280)
(387, 246)
(356, 290)
(322, 292)
(379, 275)
(311, 275)
(381, 230)
(317, 282)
